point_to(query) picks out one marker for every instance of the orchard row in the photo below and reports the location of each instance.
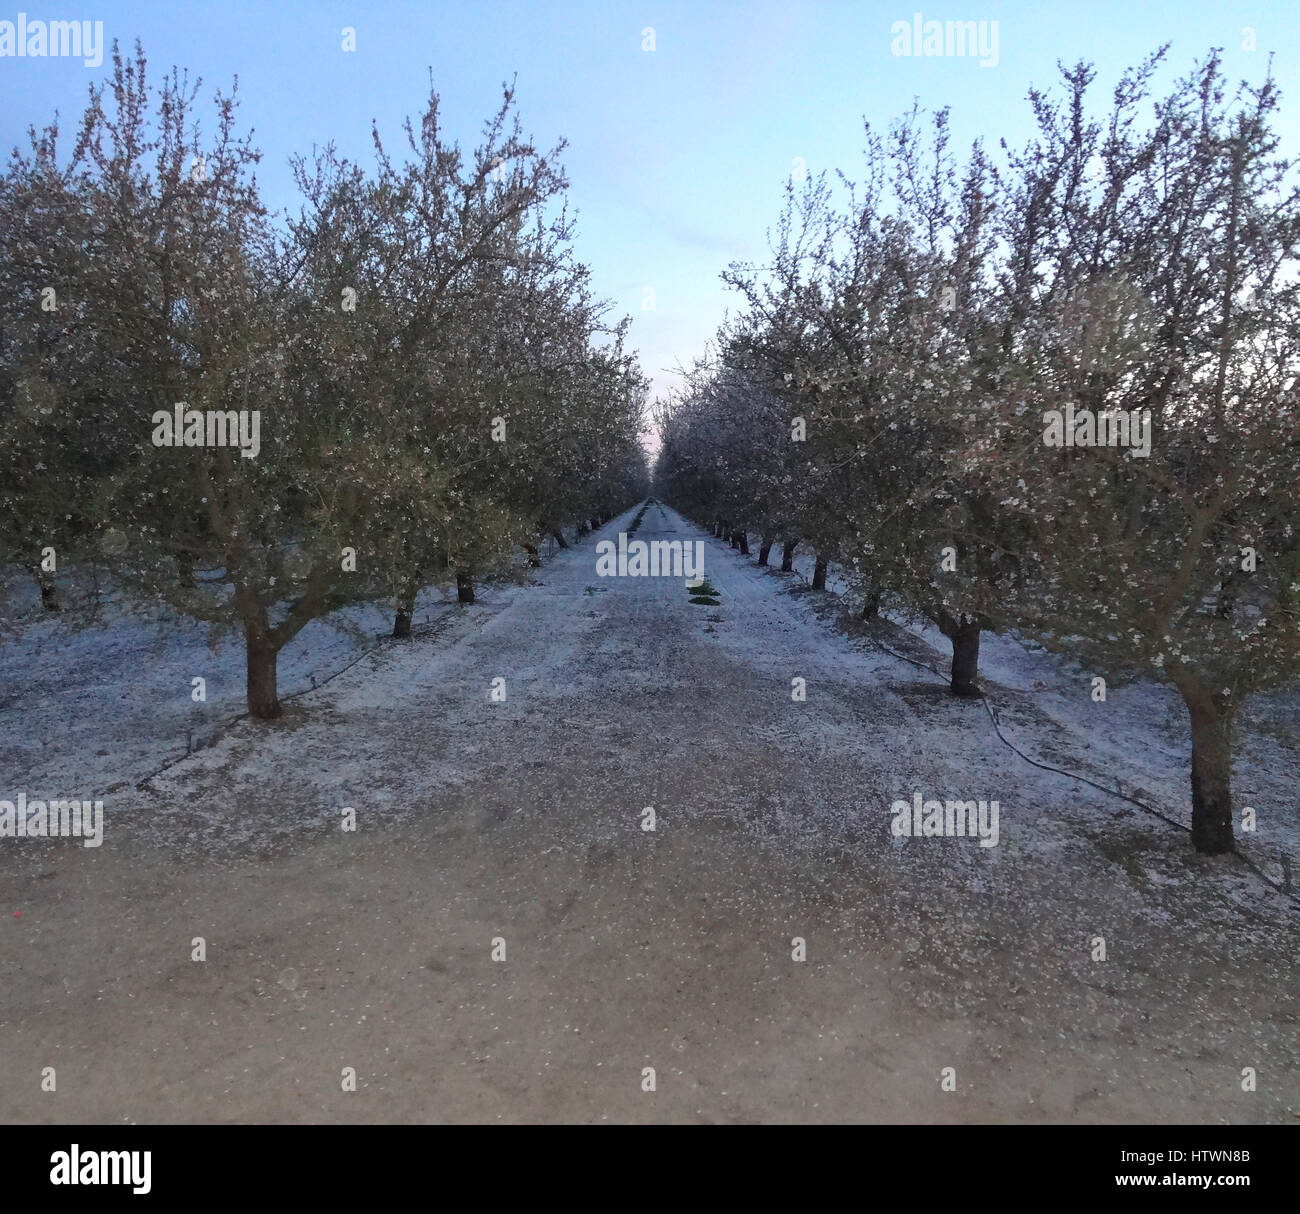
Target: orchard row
(1051, 391)
(412, 366)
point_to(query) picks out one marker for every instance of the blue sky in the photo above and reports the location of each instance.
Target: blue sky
(677, 156)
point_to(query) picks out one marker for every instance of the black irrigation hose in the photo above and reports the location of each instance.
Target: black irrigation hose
(1114, 792)
(1060, 771)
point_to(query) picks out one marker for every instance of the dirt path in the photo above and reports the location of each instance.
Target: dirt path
(627, 949)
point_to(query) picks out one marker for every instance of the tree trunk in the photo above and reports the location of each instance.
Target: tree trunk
(1227, 597)
(717, 530)
(744, 543)
(787, 555)
(734, 538)
(871, 607)
(582, 530)
(595, 524)
(964, 633)
(819, 573)
(185, 570)
(263, 702)
(558, 537)
(405, 610)
(49, 592)
(464, 586)
(763, 550)
(1211, 773)
(534, 557)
